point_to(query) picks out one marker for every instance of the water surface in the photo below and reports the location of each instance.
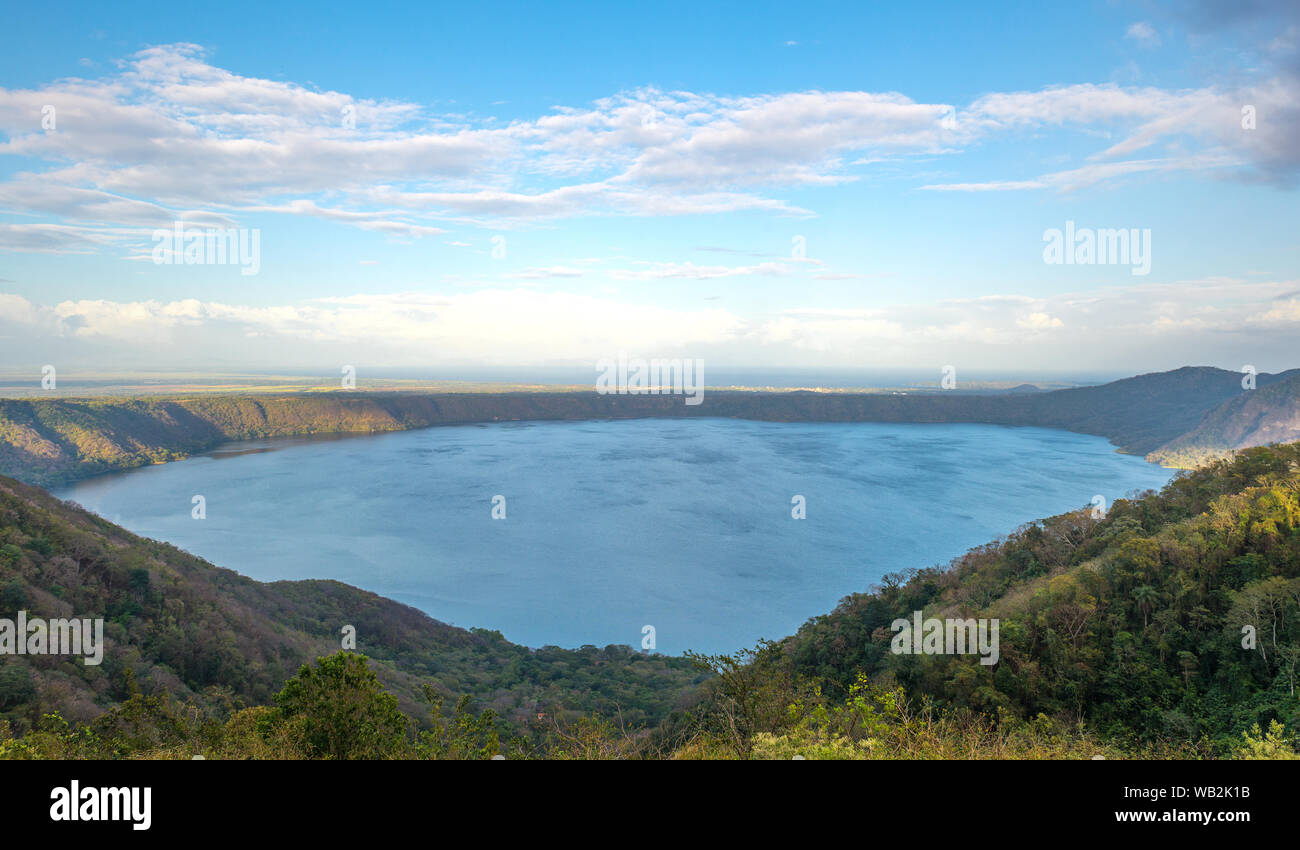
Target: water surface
(684, 525)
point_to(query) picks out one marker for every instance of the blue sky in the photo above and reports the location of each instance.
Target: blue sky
(828, 185)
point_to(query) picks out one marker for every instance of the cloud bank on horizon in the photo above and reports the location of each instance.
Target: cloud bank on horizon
(815, 226)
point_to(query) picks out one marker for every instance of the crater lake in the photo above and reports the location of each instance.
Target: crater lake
(682, 525)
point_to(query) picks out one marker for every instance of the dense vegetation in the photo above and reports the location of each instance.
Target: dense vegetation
(337, 708)
(1132, 624)
(53, 441)
(1121, 636)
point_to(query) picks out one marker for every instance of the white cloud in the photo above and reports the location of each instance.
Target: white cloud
(510, 326)
(170, 136)
(1143, 33)
(1039, 321)
(1094, 173)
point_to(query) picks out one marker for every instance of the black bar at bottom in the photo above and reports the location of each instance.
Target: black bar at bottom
(336, 799)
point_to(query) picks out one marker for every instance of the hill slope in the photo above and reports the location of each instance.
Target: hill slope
(1132, 623)
(53, 441)
(1268, 414)
(1140, 414)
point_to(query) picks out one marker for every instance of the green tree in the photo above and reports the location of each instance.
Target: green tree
(14, 596)
(339, 709)
(468, 736)
(1145, 595)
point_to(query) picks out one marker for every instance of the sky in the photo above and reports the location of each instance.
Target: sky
(808, 186)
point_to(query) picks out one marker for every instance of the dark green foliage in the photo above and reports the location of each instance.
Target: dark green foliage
(13, 597)
(338, 709)
(1132, 623)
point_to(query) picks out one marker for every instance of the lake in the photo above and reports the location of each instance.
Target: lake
(683, 525)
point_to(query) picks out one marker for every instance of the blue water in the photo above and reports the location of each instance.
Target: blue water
(683, 525)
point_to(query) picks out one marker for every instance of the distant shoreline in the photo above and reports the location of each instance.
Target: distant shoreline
(53, 441)
(1178, 419)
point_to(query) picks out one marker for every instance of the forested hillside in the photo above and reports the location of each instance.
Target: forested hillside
(1268, 414)
(1132, 624)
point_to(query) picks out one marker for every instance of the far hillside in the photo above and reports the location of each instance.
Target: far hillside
(1268, 414)
(53, 441)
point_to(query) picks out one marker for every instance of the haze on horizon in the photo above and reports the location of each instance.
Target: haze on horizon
(535, 189)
